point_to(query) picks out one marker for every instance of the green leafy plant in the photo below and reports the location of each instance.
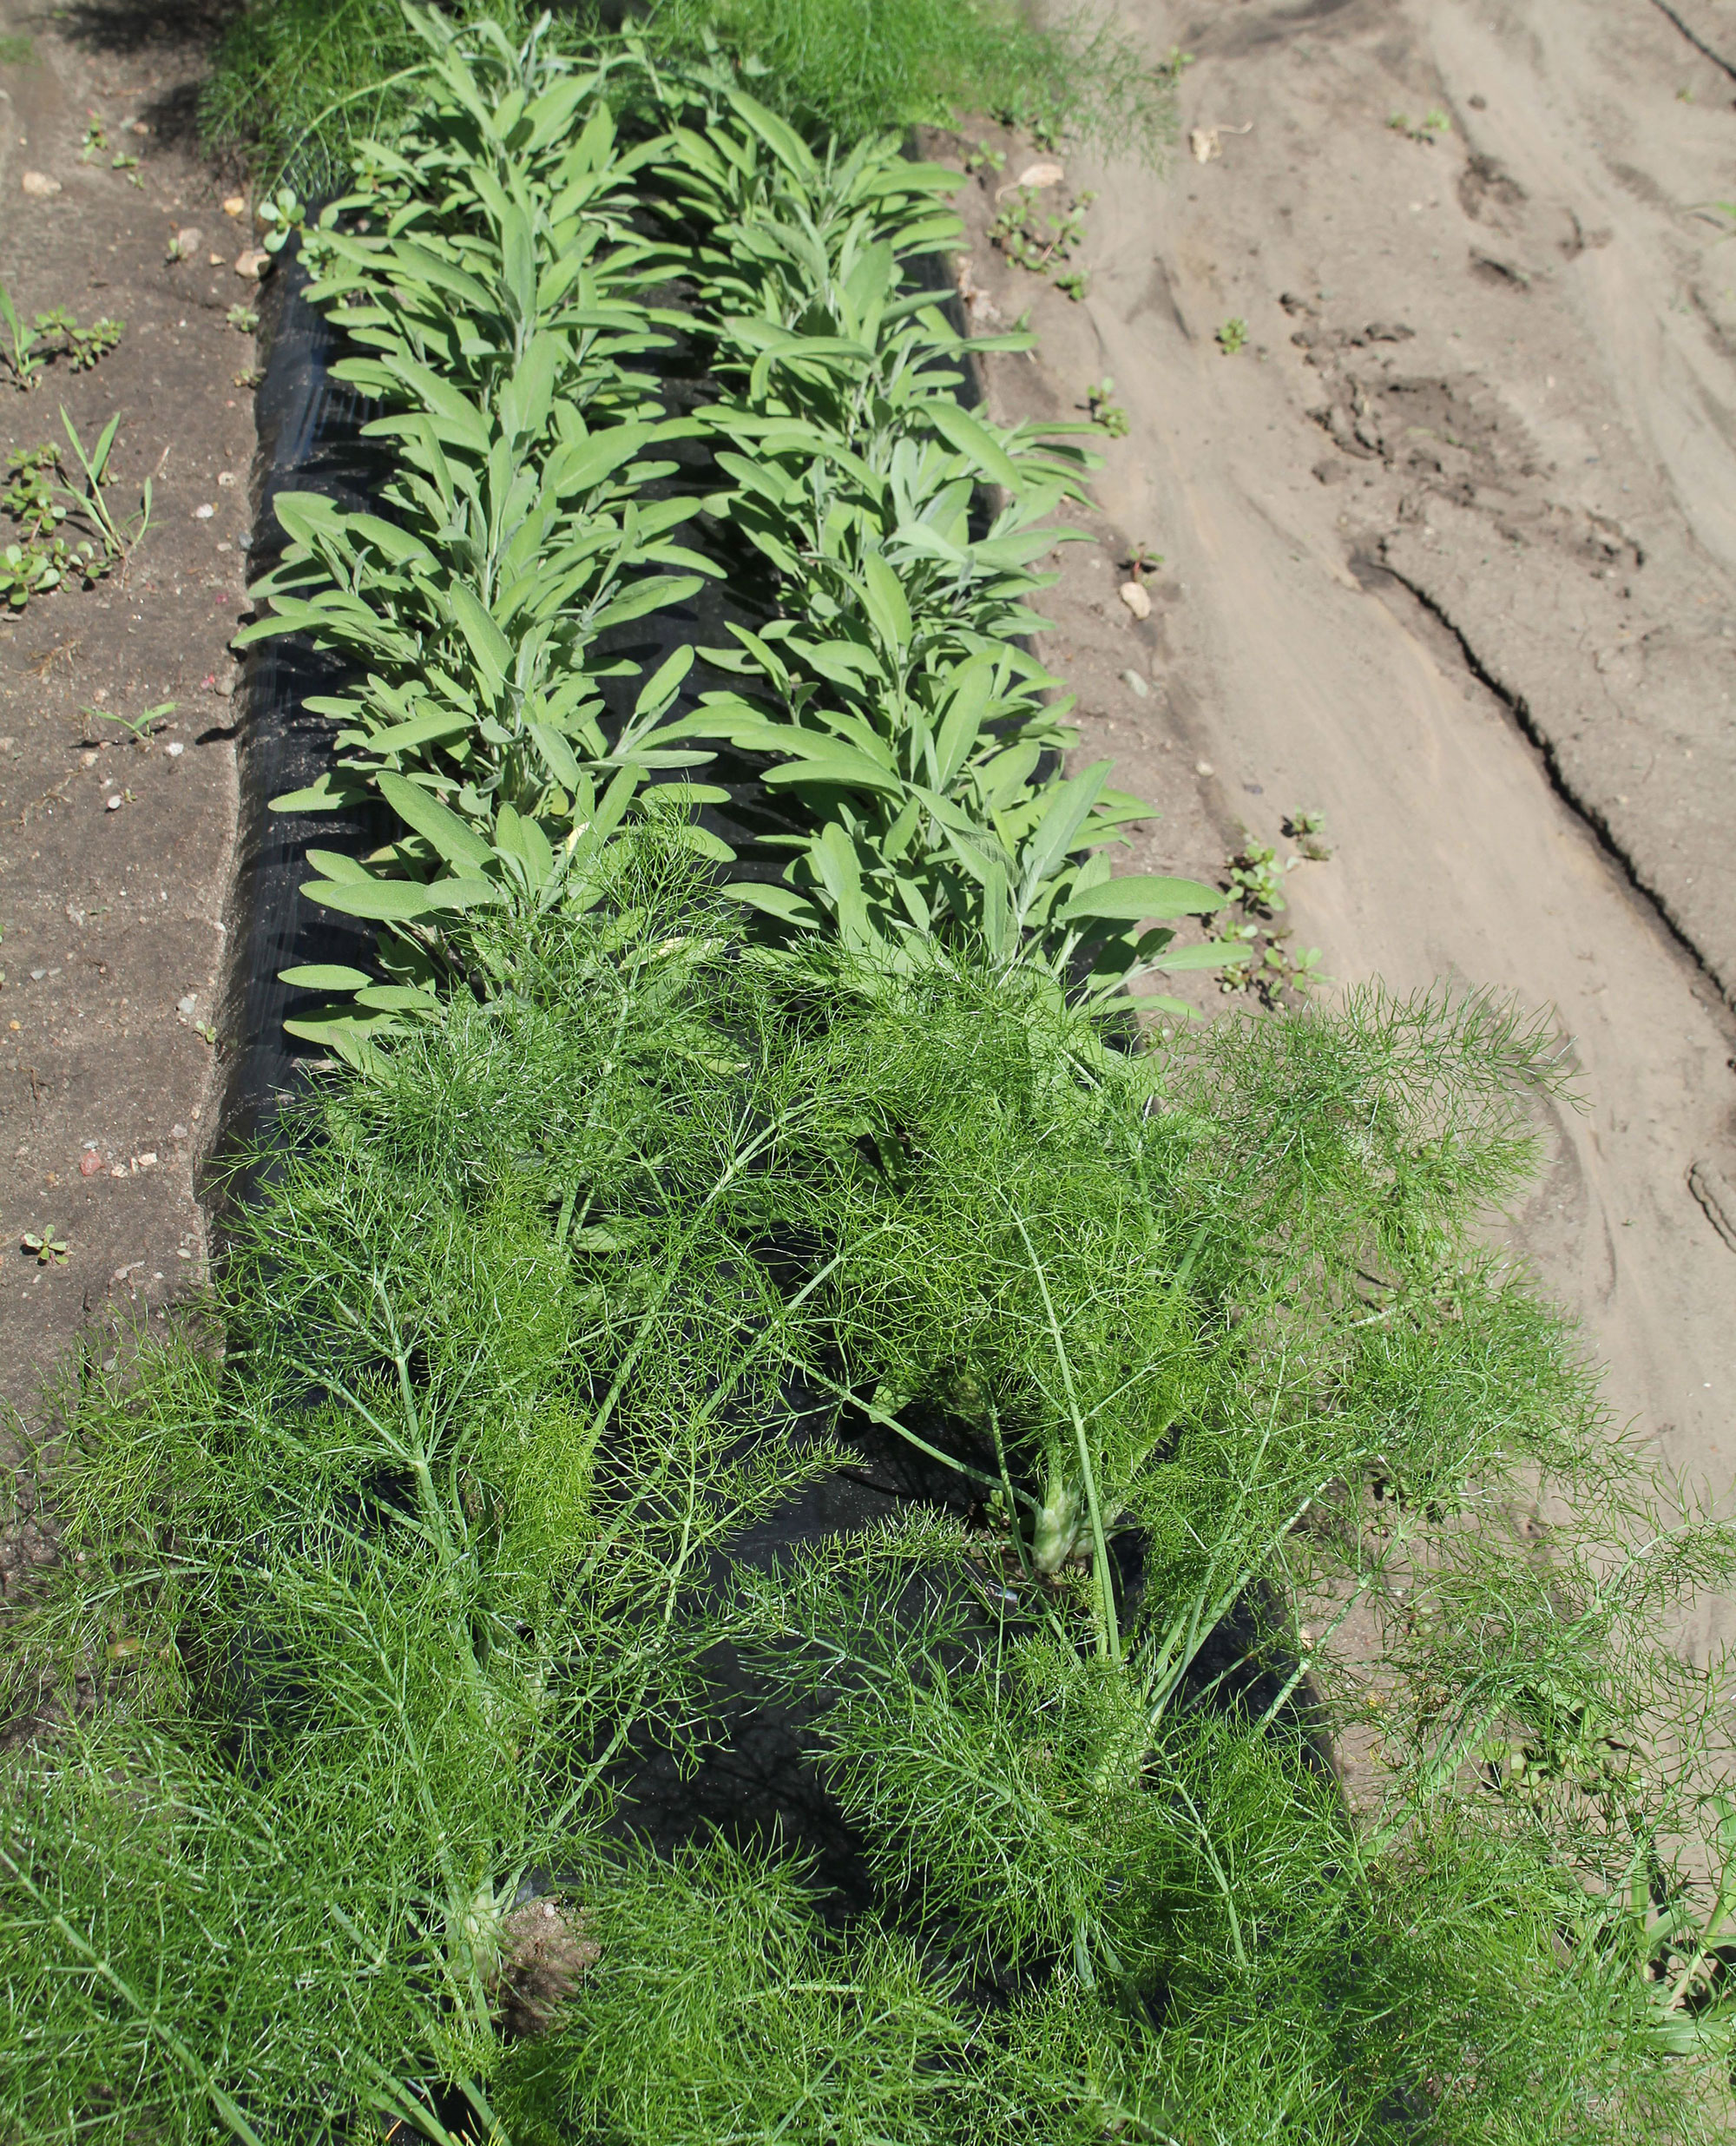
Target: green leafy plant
(1042, 239)
(367, 1609)
(1232, 337)
(86, 346)
(32, 495)
(283, 217)
(37, 496)
(1262, 960)
(1106, 413)
(1142, 561)
(140, 729)
(243, 319)
(1430, 128)
(119, 540)
(54, 333)
(907, 723)
(48, 1249)
(480, 725)
(1308, 830)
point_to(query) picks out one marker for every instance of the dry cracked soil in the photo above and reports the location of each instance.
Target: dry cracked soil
(1425, 337)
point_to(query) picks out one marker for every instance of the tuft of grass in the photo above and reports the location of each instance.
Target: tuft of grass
(853, 67)
(296, 83)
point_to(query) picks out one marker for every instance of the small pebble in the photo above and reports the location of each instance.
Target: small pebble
(88, 1164)
(184, 1006)
(177, 1132)
(113, 804)
(203, 513)
(39, 186)
(234, 205)
(119, 1171)
(1133, 595)
(1133, 679)
(252, 264)
(149, 1160)
(1204, 768)
(175, 750)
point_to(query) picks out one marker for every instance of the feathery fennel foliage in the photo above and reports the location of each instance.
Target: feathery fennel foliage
(491, 1454)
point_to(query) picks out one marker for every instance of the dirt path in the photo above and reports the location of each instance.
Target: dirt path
(115, 856)
(1452, 552)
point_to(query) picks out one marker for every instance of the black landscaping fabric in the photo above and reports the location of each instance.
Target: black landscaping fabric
(755, 1782)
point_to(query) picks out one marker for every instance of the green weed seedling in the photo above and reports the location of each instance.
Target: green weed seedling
(283, 215)
(55, 333)
(119, 540)
(86, 346)
(1233, 336)
(29, 569)
(48, 1249)
(1142, 561)
(1433, 125)
(95, 143)
(1258, 957)
(33, 496)
(1106, 413)
(1308, 830)
(140, 729)
(38, 498)
(1043, 240)
(243, 319)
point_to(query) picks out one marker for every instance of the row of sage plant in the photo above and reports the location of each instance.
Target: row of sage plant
(488, 267)
(892, 692)
(487, 272)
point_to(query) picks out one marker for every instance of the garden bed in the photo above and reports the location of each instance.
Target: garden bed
(746, 1563)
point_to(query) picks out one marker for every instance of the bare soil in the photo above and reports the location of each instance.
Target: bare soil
(1450, 553)
(112, 912)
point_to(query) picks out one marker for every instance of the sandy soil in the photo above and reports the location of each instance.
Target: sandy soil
(113, 913)
(1450, 551)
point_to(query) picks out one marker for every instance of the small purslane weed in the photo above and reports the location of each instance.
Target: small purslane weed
(55, 333)
(1263, 961)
